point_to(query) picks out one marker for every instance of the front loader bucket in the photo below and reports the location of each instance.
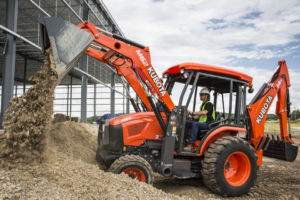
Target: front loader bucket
(67, 41)
(276, 148)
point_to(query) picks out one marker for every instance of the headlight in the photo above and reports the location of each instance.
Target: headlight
(173, 120)
(185, 75)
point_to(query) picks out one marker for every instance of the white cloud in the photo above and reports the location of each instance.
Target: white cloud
(261, 76)
(204, 31)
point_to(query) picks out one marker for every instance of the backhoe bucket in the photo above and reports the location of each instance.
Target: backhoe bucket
(67, 41)
(276, 148)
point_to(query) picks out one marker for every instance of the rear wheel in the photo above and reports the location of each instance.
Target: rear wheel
(229, 166)
(134, 166)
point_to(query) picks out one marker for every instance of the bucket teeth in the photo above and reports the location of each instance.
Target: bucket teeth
(278, 138)
(276, 148)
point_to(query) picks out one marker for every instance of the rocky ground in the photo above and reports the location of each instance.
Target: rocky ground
(69, 171)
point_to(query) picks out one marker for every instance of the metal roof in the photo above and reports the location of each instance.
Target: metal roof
(28, 28)
(221, 71)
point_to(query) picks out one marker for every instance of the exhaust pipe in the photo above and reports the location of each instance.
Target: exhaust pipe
(67, 42)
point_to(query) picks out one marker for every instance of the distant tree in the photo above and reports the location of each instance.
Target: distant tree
(272, 117)
(92, 119)
(295, 114)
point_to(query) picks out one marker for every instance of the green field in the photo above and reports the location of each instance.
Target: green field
(271, 126)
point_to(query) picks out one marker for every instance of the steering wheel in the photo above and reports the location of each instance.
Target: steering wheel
(189, 116)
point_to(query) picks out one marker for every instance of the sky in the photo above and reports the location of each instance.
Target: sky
(247, 36)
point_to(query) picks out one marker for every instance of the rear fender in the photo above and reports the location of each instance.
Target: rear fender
(216, 133)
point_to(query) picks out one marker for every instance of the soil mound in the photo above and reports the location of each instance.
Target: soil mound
(72, 165)
(27, 120)
(71, 172)
(76, 140)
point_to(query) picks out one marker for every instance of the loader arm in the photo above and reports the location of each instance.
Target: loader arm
(130, 60)
(259, 106)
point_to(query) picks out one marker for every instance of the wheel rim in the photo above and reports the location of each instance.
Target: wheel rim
(135, 173)
(237, 168)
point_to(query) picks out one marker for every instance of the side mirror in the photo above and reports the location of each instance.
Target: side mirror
(250, 90)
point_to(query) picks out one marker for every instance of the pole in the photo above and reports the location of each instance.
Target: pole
(8, 75)
(84, 80)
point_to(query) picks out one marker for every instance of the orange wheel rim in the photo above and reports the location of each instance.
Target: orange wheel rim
(135, 173)
(237, 168)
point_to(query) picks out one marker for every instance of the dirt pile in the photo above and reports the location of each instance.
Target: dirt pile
(78, 141)
(62, 118)
(27, 120)
(72, 166)
(71, 172)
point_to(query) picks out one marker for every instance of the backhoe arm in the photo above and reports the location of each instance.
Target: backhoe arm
(278, 85)
(259, 107)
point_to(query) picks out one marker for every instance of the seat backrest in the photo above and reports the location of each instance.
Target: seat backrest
(217, 120)
(218, 116)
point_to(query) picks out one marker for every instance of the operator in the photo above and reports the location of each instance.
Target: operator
(206, 115)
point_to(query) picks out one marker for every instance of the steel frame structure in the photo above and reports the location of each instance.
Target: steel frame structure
(22, 52)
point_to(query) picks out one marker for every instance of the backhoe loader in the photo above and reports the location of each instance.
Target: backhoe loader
(227, 156)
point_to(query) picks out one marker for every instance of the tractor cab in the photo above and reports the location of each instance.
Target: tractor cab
(184, 82)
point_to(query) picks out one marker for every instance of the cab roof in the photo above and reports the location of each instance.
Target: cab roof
(221, 71)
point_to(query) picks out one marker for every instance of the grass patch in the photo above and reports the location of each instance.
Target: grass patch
(271, 126)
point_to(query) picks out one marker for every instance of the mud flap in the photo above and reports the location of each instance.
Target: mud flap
(68, 42)
(276, 148)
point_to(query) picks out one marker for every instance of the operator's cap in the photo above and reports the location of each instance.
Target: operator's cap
(204, 90)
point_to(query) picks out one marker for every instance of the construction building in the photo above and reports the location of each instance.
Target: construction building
(90, 89)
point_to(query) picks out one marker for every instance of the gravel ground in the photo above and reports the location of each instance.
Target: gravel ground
(69, 171)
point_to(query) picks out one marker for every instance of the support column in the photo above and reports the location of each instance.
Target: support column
(8, 74)
(84, 80)
(95, 99)
(68, 92)
(71, 96)
(16, 90)
(24, 75)
(112, 94)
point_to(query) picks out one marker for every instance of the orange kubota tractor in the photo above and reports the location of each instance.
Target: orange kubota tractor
(227, 156)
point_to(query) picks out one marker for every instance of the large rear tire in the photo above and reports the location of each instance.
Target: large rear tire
(135, 166)
(229, 167)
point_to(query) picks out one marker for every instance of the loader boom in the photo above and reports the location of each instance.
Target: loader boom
(129, 60)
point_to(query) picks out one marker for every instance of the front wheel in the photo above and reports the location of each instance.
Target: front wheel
(229, 167)
(134, 166)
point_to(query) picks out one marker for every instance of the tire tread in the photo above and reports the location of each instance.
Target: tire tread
(130, 158)
(211, 156)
